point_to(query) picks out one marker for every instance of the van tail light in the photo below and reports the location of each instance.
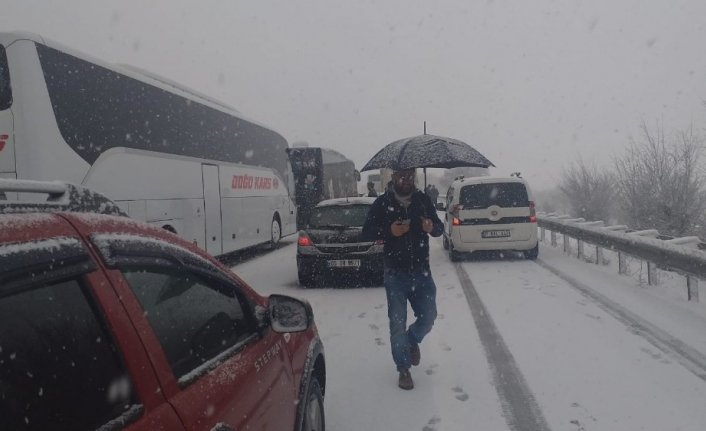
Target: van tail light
(304, 240)
(533, 213)
(456, 222)
(379, 241)
(456, 210)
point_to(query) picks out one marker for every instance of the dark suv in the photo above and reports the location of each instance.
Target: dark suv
(332, 243)
(112, 324)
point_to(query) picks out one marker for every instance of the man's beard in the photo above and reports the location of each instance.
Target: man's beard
(403, 189)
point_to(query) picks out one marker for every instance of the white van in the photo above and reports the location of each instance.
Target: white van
(490, 213)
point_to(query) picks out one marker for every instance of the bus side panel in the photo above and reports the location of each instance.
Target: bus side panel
(137, 210)
(164, 209)
(212, 204)
(257, 219)
(194, 223)
(125, 176)
(233, 232)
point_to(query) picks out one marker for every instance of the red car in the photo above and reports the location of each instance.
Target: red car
(107, 323)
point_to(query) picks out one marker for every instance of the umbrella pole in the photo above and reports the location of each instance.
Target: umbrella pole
(425, 180)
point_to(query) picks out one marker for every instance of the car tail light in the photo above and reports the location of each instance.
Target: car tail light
(456, 222)
(305, 241)
(533, 213)
(379, 241)
(3, 138)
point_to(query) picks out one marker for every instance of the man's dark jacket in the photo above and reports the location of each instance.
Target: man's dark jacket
(411, 250)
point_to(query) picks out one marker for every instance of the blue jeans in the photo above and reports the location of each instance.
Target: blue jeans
(419, 289)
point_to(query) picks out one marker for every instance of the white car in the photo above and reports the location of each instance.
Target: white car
(490, 213)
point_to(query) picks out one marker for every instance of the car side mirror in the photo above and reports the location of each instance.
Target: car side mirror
(289, 314)
(440, 206)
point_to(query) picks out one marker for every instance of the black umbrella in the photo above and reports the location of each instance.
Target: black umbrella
(427, 151)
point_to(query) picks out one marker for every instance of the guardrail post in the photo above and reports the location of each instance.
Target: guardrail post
(651, 273)
(567, 245)
(692, 286)
(622, 264)
(542, 234)
(553, 235)
(599, 256)
(580, 249)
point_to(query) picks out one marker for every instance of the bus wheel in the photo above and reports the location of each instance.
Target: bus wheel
(276, 232)
(169, 228)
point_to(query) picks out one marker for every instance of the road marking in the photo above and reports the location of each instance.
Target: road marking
(689, 357)
(519, 407)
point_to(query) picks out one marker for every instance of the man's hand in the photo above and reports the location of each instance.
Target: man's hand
(398, 228)
(427, 224)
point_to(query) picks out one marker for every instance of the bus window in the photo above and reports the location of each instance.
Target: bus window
(5, 90)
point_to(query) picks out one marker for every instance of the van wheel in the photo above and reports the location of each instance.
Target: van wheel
(454, 256)
(445, 241)
(532, 254)
(276, 232)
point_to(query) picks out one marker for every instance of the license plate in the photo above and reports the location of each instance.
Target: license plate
(495, 234)
(349, 263)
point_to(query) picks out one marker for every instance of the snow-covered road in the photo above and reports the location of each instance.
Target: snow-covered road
(536, 353)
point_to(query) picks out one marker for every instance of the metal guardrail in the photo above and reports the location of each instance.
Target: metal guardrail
(683, 255)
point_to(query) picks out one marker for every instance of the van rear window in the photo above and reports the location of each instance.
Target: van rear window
(5, 90)
(504, 195)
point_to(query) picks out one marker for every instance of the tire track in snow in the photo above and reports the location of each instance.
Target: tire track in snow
(689, 357)
(519, 406)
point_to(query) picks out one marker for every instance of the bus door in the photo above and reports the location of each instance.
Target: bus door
(7, 135)
(212, 209)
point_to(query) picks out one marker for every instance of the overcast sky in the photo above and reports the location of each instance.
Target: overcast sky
(530, 84)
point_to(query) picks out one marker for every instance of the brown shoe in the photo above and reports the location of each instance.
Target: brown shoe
(406, 381)
(415, 354)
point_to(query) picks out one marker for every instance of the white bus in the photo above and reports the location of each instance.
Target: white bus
(164, 153)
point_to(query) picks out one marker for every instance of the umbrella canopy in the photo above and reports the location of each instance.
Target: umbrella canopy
(427, 151)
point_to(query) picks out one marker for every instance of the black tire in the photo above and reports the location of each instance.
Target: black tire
(377, 279)
(305, 279)
(313, 412)
(454, 256)
(445, 241)
(275, 232)
(532, 254)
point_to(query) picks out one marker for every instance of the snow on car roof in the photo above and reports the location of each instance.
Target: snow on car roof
(364, 200)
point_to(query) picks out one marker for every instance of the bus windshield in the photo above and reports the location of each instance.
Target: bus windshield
(5, 90)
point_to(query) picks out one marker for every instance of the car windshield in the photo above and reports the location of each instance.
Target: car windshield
(504, 195)
(338, 216)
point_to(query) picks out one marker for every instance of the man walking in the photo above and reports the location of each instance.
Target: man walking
(404, 217)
